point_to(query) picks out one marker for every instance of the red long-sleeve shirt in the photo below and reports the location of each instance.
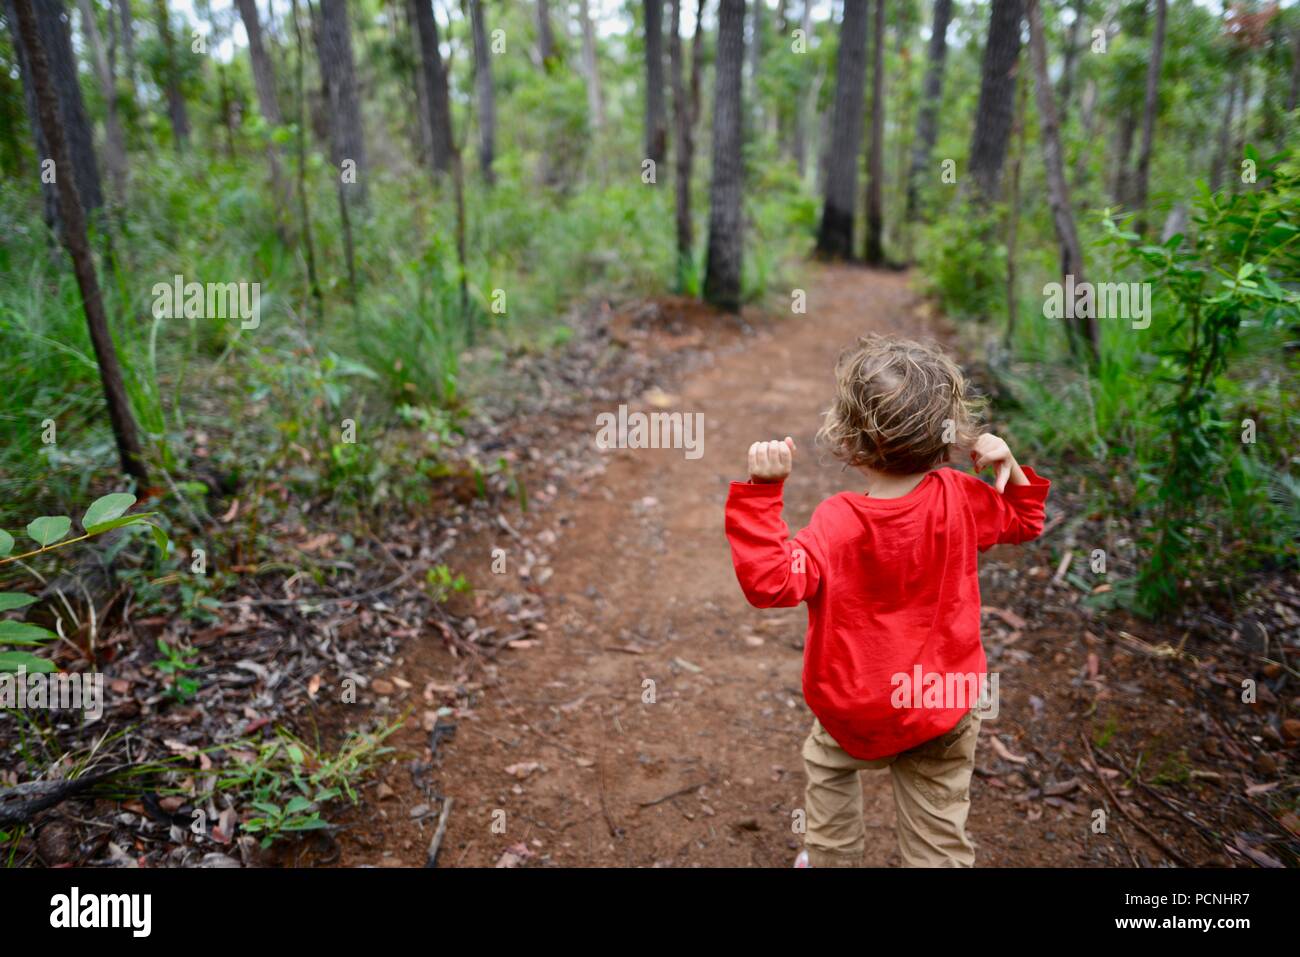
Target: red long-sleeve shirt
(891, 585)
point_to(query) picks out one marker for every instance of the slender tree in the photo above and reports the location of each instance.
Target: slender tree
(75, 240)
(656, 125)
(683, 147)
(435, 83)
(988, 147)
(339, 74)
(757, 26)
(546, 36)
(927, 121)
(697, 63)
(300, 139)
(1149, 108)
(487, 104)
(176, 109)
(53, 29)
(873, 250)
(835, 234)
(726, 228)
(591, 68)
(267, 101)
(114, 136)
(1084, 332)
(128, 42)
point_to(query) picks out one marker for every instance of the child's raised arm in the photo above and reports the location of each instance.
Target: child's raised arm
(773, 571)
(1012, 512)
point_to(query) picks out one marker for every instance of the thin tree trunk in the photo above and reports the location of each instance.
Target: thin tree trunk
(304, 208)
(114, 137)
(595, 98)
(267, 102)
(1122, 188)
(1223, 156)
(927, 123)
(61, 64)
(835, 235)
(757, 26)
(1013, 215)
(656, 128)
(684, 148)
(424, 133)
(176, 110)
(487, 104)
(988, 148)
(1058, 193)
(1149, 107)
(338, 71)
(128, 42)
(435, 82)
(873, 250)
(1088, 117)
(545, 36)
(1071, 55)
(726, 228)
(75, 240)
(697, 67)
(805, 107)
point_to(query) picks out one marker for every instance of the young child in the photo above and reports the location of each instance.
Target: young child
(890, 576)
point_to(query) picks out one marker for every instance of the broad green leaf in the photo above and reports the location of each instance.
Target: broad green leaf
(297, 805)
(11, 661)
(106, 509)
(49, 529)
(21, 633)
(14, 599)
(137, 519)
(6, 543)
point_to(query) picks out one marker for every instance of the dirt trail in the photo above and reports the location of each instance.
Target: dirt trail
(642, 591)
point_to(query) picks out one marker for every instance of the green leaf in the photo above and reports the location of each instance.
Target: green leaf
(49, 529)
(295, 753)
(106, 509)
(10, 600)
(6, 543)
(297, 805)
(11, 661)
(21, 633)
(137, 519)
(159, 538)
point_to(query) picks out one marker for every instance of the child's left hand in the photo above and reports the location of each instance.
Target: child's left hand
(771, 461)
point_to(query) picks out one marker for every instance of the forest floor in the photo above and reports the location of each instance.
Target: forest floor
(556, 755)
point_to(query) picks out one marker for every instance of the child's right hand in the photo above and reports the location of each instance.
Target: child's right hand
(992, 452)
(771, 461)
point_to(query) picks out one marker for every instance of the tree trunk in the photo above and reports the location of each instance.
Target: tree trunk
(927, 123)
(726, 229)
(338, 72)
(988, 147)
(435, 84)
(424, 133)
(128, 42)
(1013, 216)
(684, 148)
(873, 251)
(590, 66)
(835, 235)
(1071, 54)
(304, 207)
(545, 37)
(56, 41)
(487, 104)
(1149, 108)
(697, 68)
(806, 106)
(656, 128)
(267, 101)
(73, 217)
(757, 26)
(1058, 193)
(1223, 155)
(176, 110)
(114, 137)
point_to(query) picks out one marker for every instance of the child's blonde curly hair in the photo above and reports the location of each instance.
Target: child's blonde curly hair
(900, 406)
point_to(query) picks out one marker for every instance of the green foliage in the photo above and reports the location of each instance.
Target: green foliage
(176, 662)
(963, 259)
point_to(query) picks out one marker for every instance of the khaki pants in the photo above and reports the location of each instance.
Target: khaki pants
(931, 795)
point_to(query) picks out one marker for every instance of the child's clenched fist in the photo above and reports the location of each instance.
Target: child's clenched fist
(771, 461)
